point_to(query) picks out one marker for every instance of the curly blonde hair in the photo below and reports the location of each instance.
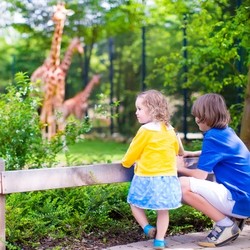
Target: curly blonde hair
(157, 105)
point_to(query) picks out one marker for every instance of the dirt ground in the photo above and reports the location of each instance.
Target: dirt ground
(92, 242)
(97, 241)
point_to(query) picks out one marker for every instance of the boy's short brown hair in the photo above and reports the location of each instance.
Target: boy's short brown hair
(212, 110)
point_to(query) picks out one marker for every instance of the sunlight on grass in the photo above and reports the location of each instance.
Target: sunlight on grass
(94, 151)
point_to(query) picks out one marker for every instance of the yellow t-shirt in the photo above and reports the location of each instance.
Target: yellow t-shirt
(153, 150)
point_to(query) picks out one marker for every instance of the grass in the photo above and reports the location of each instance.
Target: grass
(93, 151)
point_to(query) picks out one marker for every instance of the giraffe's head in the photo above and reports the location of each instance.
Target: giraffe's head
(96, 79)
(77, 44)
(60, 12)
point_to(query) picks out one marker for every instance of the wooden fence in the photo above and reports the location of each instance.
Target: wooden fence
(60, 177)
(52, 178)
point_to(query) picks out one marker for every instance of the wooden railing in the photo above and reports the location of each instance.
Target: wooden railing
(60, 177)
(53, 178)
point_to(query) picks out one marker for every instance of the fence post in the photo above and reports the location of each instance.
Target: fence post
(2, 209)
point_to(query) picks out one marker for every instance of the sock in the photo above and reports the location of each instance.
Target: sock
(226, 222)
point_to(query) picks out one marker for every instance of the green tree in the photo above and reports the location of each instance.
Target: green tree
(216, 58)
(217, 52)
(245, 128)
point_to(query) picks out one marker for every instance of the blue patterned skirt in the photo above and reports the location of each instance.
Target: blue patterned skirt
(156, 193)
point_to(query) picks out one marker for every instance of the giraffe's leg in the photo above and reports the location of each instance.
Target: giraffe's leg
(59, 102)
(79, 109)
(51, 122)
(43, 119)
(51, 126)
(61, 123)
(65, 114)
(60, 119)
(47, 117)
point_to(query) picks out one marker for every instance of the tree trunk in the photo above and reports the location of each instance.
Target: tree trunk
(245, 123)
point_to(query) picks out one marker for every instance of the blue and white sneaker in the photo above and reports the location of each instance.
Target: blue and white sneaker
(220, 236)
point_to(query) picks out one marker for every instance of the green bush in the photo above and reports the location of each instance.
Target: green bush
(187, 219)
(21, 142)
(63, 213)
(66, 212)
(20, 136)
(183, 220)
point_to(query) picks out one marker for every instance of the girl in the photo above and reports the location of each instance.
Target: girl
(153, 150)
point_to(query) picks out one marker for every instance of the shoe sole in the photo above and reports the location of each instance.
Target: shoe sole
(235, 237)
(211, 244)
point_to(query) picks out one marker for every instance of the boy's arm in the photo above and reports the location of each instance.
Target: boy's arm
(197, 173)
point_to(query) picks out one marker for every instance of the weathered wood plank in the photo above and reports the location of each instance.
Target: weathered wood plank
(63, 177)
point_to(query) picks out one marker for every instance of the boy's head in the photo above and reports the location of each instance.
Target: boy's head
(211, 109)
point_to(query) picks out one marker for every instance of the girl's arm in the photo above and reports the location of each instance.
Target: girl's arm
(135, 148)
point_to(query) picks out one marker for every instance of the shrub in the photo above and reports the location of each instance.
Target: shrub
(66, 212)
(21, 142)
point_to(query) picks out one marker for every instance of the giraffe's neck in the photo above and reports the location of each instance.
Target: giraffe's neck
(68, 57)
(54, 59)
(84, 95)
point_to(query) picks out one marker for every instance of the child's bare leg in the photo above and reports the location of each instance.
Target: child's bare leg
(162, 224)
(141, 218)
(139, 215)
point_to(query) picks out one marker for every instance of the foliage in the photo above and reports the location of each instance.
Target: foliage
(65, 212)
(183, 220)
(192, 47)
(193, 145)
(215, 51)
(187, 219)
(20, 134)
(21, 142)
(6, 69)
(210, 47)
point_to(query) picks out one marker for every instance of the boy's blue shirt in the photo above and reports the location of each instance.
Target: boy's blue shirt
(224, 154)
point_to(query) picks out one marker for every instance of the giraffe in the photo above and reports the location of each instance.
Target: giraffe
(37, 77)
(78, 104)
(75, 45)
(54, 77)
